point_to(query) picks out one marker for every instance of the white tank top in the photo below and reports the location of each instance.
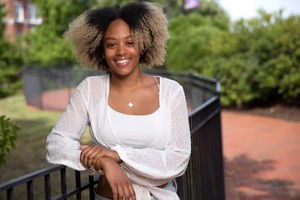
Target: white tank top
(137, 131)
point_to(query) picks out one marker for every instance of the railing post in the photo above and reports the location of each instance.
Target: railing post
(30, 190)
(78, 184)
(10, 194)
(91, 188)
(47, 187)
(63, 179)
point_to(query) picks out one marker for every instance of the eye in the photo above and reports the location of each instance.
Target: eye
(110, 45)
(130, 43)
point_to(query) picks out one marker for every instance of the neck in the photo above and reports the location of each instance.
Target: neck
(128, 83)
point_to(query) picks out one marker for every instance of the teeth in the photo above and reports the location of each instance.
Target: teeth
(122, 61)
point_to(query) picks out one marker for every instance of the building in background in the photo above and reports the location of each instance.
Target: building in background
(21, 17)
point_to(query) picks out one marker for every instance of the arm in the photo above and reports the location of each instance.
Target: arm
(92, 153)
(62, 143)
(119, 182)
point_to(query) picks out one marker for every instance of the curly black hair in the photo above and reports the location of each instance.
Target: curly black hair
(147, 23)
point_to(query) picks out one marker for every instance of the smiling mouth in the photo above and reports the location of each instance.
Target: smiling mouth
(122, 62)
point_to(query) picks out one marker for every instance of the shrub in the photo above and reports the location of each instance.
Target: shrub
(10, 63)
(256, 60)
(8, 136)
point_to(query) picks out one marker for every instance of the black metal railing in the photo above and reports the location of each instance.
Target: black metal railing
(47, 174)
(204, 178)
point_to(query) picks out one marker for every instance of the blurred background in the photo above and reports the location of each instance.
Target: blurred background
(251, 47)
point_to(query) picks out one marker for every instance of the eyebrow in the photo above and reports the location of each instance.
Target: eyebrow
(111, 38)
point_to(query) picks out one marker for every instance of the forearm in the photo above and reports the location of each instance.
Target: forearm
(91, 154)
(104, 163)
(115, 156)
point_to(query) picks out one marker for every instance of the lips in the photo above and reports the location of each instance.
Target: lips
(122, 62)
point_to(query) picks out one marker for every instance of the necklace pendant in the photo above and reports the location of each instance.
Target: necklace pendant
(130, 104)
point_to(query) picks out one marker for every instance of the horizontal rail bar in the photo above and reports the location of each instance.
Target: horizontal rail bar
(28, 177)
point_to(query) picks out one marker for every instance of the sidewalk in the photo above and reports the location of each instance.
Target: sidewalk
(261, 157)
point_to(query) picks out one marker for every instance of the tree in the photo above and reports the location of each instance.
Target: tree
(45, 46)
(269, 66)
(10, 62)
(256, 60)
(193, 35)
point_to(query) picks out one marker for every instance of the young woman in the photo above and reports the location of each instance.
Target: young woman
(138, 122)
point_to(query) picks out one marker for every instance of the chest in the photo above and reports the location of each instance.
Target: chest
(137, 131)
(109, 129)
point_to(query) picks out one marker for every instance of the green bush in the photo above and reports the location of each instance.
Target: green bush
(190, 39)
(8, 136)
(47, 50)
(10, 63)
(256, 60)
(10, 69)
(235, 74)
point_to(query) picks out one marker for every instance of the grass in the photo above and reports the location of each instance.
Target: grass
(29, 152)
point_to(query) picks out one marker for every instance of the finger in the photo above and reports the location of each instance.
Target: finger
(86, 156)
(91, 160)
(89, 153)
(127, 193)
(121, 193)
(82, 157)
(83, 147)
(114, 192)
(92, 155)
(132, 192)
(129, 190)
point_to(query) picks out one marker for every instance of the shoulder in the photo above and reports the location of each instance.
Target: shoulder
(94, 80)
(93, 84)
(169, 83)
(171, 89)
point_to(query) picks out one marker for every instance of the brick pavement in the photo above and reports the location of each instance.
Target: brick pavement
(262, 157)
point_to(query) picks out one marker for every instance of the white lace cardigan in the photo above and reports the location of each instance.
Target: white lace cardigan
(164, 160)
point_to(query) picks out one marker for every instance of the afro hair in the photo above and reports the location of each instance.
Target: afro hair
(147, 23)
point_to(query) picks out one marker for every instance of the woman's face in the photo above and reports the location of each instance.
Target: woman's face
(121, 53)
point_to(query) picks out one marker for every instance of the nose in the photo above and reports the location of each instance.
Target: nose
(121, 49)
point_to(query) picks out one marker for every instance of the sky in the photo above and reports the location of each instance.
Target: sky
(248, 8)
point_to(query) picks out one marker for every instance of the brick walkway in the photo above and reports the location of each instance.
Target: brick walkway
(262, 157)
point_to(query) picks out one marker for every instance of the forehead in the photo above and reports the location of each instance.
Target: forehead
(117, 29)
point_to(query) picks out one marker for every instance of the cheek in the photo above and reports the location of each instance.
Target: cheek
(137, 51)
(107, 53)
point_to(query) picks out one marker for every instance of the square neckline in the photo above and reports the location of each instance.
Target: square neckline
(159, 85)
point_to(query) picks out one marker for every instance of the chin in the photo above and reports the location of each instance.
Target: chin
(121, 73)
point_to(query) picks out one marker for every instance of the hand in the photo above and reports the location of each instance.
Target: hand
(90, 154)
(117, 179)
